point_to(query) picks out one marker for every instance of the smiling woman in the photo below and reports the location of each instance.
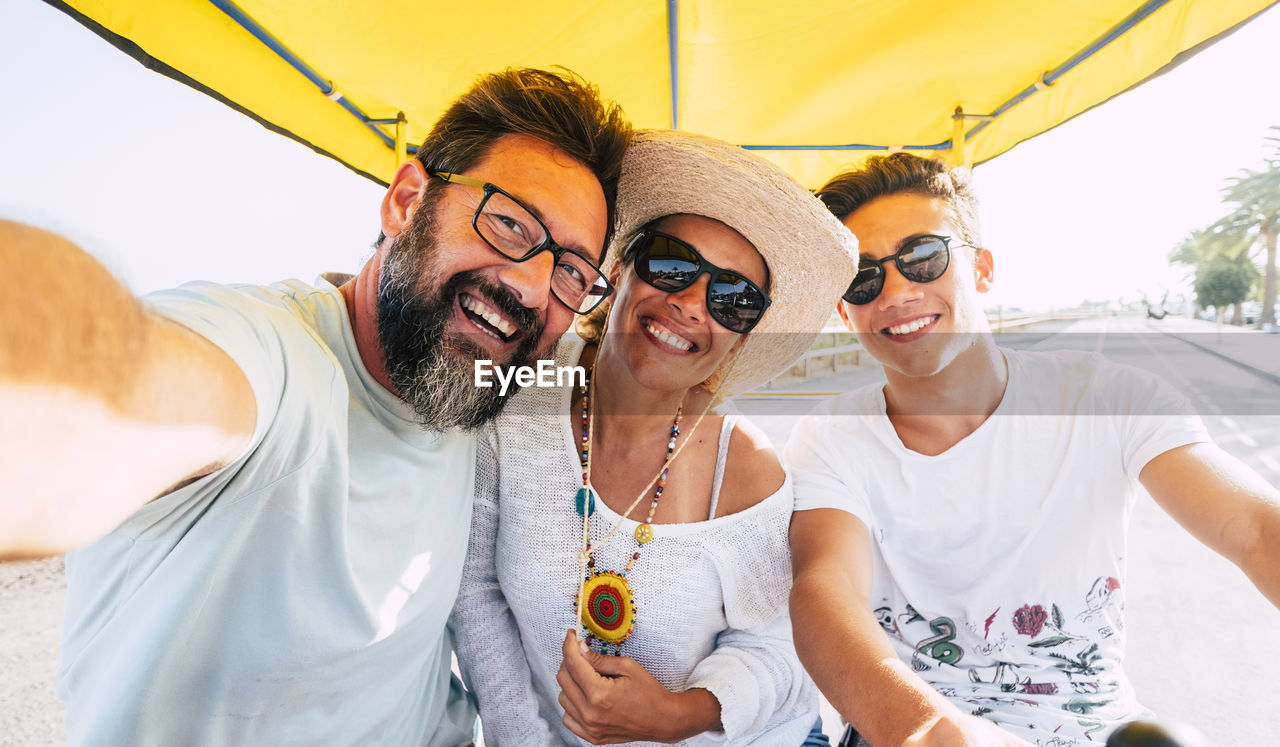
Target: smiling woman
(628, 510)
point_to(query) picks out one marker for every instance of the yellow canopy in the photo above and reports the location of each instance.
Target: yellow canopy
(813, 85)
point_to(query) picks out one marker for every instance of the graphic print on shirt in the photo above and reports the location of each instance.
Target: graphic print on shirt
(1067, 674)
(1085, 663)
(1084, 707)
(1030, 620)
(940, 647)
(1101, 602)
(884, 615)
(1011, 679)
(987, 646)
(986, 624)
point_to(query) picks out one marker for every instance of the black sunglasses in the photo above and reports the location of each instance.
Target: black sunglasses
(671, 265)
(922, 259)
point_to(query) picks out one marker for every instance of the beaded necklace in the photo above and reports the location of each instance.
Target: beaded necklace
(605, 605)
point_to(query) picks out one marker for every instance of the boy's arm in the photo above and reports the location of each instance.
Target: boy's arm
(106, 405)
(1225, 505)
(848, 654)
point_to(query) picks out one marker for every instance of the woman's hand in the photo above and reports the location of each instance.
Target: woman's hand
(612, 699)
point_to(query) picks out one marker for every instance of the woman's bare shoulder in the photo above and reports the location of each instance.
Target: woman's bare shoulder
(752, 470)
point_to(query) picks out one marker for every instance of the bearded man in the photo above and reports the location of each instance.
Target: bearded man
(276, 481)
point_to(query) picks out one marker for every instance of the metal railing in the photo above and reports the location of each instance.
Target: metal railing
(836, 340)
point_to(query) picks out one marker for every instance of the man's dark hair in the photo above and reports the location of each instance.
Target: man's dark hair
(902, 172)
(557, 107)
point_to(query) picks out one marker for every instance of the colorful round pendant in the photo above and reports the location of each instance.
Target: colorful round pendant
(644, 533)
(609, 610)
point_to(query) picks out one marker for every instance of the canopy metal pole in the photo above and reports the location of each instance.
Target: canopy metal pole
(1047, 79)
(1042, 83)
(673, 56)
(963, 155)
(401, 144)
(326, 87)
(959, 154)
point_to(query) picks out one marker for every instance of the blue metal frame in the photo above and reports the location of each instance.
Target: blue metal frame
(1049, 78)
(673, 58)
(275, 45)
(673, 53)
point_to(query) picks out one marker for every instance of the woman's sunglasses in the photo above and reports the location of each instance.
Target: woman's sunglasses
(670, 265)
(920, 260)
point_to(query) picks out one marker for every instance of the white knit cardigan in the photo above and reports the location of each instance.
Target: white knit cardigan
(710, 596)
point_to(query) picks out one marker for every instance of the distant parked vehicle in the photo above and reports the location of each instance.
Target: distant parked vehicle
(1252, 312)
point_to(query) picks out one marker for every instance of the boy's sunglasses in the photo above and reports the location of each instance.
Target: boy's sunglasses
(670, 265)
(920, 260)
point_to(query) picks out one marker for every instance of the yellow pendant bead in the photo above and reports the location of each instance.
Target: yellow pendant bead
(644, 533)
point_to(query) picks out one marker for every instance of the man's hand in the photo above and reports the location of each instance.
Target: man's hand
(106, 405)
(612, 699)
(962, 730)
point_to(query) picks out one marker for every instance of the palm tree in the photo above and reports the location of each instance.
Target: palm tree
(1256, 195)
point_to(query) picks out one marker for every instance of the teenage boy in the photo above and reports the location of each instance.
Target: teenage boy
(959, 540)
(277, 481)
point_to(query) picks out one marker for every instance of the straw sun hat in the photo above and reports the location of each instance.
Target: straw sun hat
(811, 256)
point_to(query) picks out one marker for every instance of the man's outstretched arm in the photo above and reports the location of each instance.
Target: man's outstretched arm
(1225, 505)
(106, 405)
(848, 654)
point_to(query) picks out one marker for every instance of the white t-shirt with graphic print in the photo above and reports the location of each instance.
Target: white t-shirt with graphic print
(999, 565)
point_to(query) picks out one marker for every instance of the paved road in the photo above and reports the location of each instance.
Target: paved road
(1199, 634)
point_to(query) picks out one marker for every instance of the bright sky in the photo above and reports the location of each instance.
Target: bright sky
(166, 185)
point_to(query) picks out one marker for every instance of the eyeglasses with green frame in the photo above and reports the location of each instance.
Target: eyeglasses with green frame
(513, 231)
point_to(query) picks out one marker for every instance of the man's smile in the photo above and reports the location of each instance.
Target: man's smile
(487, 318)
(910, 329)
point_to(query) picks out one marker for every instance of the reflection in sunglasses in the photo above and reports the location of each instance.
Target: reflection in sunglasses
(671, 265)
(923, 259)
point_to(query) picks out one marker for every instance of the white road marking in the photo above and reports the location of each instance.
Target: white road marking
(1243, 438)
(1174, 374)
(1270, 462)
(1230, 423)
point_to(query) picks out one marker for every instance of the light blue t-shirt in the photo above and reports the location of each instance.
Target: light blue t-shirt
(298, 595)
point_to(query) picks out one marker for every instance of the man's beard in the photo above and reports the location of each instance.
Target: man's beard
(431, 368)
